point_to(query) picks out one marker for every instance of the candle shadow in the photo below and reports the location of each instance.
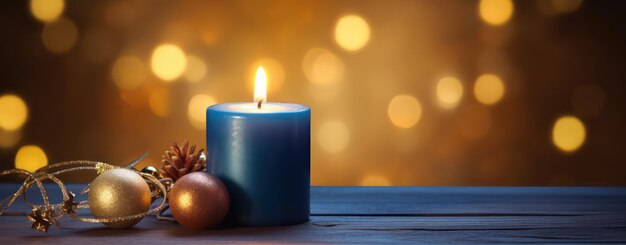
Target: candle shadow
(240, 205)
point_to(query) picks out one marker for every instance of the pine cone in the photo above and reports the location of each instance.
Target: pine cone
(179, 161)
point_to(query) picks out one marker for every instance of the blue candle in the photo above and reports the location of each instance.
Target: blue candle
(262, 154)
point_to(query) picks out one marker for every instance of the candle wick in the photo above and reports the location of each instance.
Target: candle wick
(259, 104)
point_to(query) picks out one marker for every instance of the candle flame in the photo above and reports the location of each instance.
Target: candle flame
(260, 86)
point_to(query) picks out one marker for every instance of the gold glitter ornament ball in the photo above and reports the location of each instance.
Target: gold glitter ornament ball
(118, 193)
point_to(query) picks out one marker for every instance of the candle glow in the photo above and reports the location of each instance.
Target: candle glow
(260, 86)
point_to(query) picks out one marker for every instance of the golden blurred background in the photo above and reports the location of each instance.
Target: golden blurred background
(424, 92)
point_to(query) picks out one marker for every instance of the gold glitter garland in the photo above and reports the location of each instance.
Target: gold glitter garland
(47, 214)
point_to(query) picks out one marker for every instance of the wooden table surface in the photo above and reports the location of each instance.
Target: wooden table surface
(382, 215)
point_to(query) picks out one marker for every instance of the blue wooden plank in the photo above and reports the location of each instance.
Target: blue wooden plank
(385, 215)
(467, 200)
(378, 230)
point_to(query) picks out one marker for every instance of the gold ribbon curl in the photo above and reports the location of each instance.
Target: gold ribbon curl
(46, 214)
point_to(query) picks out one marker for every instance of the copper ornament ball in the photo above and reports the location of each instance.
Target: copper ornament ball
(118, 193)
(199, 200)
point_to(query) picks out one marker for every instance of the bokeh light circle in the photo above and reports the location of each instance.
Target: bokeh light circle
(59, 36)
(321, 66)
(196, 111)
(30, 158)
(404, 111)
(489, 89)
(47, 10)
(168, 62)
(568, 133)
(129, 72)
(333, 136)
(352, 32)
(449, 92)
(495, 12)
(13, 112)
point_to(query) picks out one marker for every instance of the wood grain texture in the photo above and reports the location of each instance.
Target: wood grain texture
(385, 215)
